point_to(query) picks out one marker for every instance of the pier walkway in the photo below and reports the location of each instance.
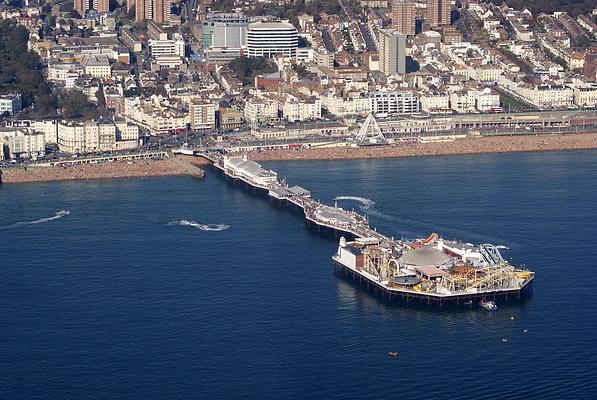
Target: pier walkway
(330, 217)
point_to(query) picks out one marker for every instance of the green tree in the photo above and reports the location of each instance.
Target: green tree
(246, 69)
(101, 98)
(20, 70)
(76, 105)
(300, 70)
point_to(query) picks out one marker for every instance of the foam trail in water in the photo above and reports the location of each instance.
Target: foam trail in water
(57, 215)
(203, 227)
(367, 206)
(365, 203)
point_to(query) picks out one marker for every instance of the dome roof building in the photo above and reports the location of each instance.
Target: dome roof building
(425, 256)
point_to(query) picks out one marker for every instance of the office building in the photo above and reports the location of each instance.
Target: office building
(270, 38)
(392, 52)
(225, 30)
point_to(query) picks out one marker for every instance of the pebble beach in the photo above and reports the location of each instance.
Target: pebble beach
(496, 144)
(111, 170)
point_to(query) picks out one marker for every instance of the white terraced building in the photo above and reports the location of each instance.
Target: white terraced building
(269, 38)
(393, 102)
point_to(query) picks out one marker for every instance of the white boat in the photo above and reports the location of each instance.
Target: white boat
(488, 305)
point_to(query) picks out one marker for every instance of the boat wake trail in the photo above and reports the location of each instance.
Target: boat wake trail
(57, 215)
(203, 227)
(366, 205)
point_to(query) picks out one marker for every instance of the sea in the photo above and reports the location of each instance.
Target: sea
(178, 288)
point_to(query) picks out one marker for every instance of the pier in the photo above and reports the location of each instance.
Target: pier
(330, 217)
(427, 271)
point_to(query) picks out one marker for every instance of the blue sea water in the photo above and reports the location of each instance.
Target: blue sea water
(118, 299)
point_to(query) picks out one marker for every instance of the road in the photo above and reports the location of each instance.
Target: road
(366, 34)
(327, 40)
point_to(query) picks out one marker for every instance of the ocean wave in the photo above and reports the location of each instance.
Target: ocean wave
(57, 215)
(203, 227)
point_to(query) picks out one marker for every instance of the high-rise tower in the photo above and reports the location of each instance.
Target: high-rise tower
(403, 16)
(438, 12)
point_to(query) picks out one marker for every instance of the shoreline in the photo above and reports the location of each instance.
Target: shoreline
(469, 146)
(111, 170)
(191, 166)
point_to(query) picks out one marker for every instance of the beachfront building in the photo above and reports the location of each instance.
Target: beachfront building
(487, 100)
(435, 101)
(342, 106)
(547, 96)
(156, 115)
(393, 102)
(295, 109)
(302, 130)
(586, 96)
(22, 143)
(261, 110)
(202, 114)
(463, 101)
(96, 136)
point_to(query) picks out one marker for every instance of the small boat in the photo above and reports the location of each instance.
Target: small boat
(488, 305)
(392, 353)
(504, 340)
